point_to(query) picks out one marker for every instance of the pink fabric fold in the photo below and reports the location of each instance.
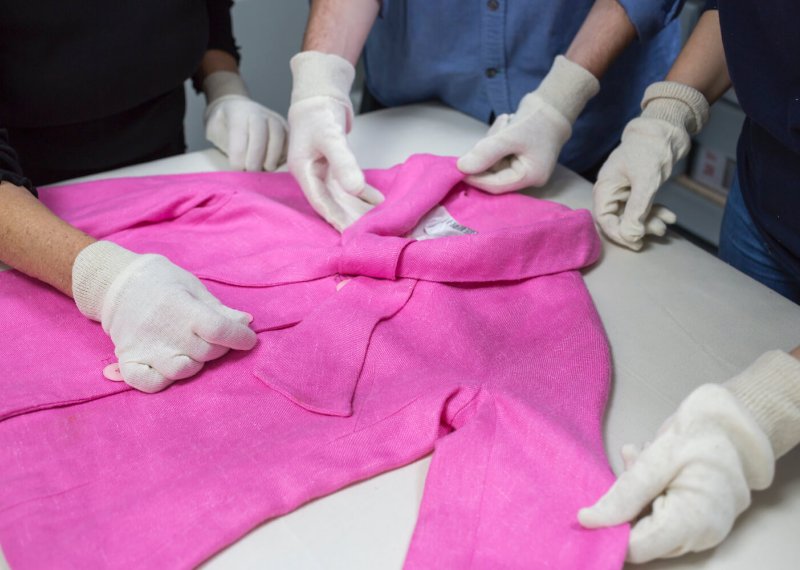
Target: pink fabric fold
(317, 364)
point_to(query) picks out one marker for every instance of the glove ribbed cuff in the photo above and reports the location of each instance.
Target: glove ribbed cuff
(222, 84)
(316, 74)
(676, 103)
(770, 389)
(568, 87)
(94, 270)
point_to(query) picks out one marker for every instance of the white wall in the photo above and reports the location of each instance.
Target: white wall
(268, 32)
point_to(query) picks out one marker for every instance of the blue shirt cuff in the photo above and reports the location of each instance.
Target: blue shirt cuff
(651, 16)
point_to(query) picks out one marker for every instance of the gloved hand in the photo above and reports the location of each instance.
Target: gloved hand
(252, 136)
(521, 150)
(320, 117)
(721, 443)
(651, 146)
(163, 321)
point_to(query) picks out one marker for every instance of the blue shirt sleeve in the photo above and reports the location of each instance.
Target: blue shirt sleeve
(651, 16)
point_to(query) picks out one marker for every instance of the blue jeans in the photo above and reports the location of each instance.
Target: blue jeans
(741, 246)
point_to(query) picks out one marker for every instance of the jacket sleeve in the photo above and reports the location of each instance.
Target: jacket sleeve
(10, 169)
(651, 16)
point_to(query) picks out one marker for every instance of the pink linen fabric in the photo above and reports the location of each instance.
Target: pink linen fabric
(483, 348)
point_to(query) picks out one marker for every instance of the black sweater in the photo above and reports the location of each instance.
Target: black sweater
(90, 85)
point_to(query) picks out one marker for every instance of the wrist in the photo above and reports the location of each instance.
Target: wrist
(770, 389)
(676, 103)
(223, 84)
(316, 74)
(568, 87)
(94, 270)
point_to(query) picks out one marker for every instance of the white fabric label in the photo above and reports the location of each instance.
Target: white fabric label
(439, 223)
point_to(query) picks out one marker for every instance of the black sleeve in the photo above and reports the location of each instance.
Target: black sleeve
(220, 27)
(10, 169)
(710, 5)
(220, 31)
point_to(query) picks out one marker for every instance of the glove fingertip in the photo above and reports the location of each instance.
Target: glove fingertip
(634, 245)
(609, 224)
(236, 161)
(241, 317)
(251, 339)
(474, 162)
(588, 517)
(638, 555)
(641, 545)
(608, 510)
(242, 337)
(489, 187)
(372, 195)
(667, 216)
(630, 453)
(351, 181)
(275, 147)
(253, 166)
(466, 164)
(143, 377)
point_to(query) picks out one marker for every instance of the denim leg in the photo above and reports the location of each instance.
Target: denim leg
(741, 246)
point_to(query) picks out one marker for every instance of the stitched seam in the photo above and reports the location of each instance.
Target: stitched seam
(48, 496)
(61, 404)
(366, 352)
(483, 487)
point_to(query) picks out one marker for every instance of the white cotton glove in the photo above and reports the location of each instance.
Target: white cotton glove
(697, 475)
(252, 136)
(320, 159)
(651, 146)
(163, 321)
(521, 150)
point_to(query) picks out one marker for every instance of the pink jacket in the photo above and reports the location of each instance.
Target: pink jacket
(483, 347)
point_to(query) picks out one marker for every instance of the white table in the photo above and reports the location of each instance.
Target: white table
(676, 317)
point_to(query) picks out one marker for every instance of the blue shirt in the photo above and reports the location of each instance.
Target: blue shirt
(482, 56)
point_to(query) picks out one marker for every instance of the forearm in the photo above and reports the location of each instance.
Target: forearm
(35, 241)
(701, 64)
(605, 33)
(340, 27)
(216, 60)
